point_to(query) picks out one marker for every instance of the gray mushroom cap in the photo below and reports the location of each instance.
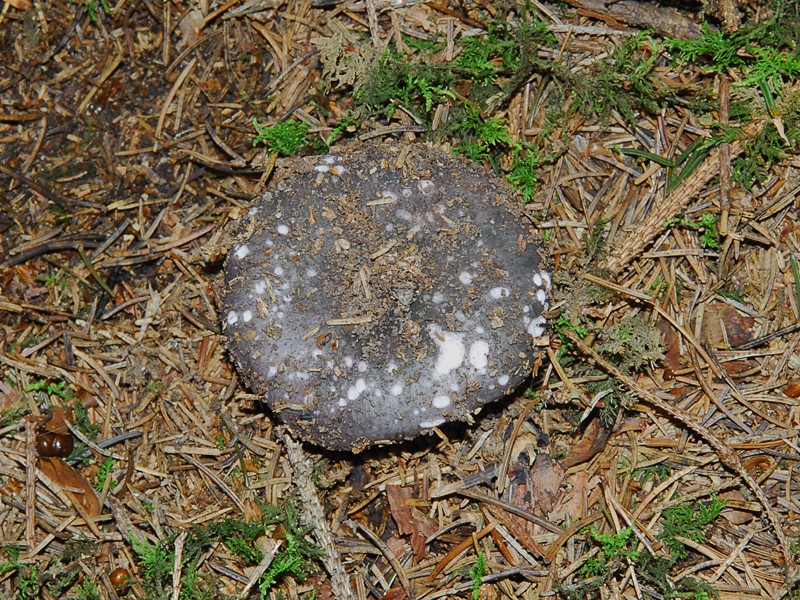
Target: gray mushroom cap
(375, 294)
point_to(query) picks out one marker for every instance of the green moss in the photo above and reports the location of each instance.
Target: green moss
(287, 138)
(688, 521)
(622, 82)
(477, 573)
(706, 226)
(239, 537)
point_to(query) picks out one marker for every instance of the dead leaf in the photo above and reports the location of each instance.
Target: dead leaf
(574, 504)
(793, 389)
(55, 422)
(734, 502)
(672, 356)
(410, 521)
(70, 478)
(546, 479)
(395, 594)
(592, 442)
(726, 327)
(401, 511)
(20, 4)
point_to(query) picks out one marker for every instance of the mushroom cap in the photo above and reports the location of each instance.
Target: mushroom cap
(377, 293)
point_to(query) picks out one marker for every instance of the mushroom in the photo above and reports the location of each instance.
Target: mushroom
(375, 294)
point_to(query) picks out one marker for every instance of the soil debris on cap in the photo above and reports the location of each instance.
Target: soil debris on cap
(378, 292)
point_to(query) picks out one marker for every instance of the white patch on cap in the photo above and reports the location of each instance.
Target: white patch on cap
(242, 251)
(247, 316)
(348, 362)
(330, 159)
(541, 296)
(260, 287)
(479, 354)
(389, 194)
(537, 280)
(499, 292)
(438, 297)
(465, 277)
(451, 349)
(441, 401)
(362, 366)
(272, 371)
(278, 271)
(322, 168)
(311, 273)
(232, 317)
(283, 229)
(430, 424)
(342, 402)
(397, 389)
(545, 277)
(503, 380)
(354, 391)
(391, 368)
(536, 327)
(338, 169)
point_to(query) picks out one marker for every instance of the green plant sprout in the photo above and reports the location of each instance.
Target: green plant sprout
(87, 591)
(656, 473)
(290, 561)
(623, 82)
(706, 225)
(349, 124)
(83, 421)
(103, 473)
(154, 385)
(94, 8)
(239, 537)
(60, 388)
(763, 55)
(562, 324)
(615, 548)
(287, 138)
(28, 583)
(477, 573)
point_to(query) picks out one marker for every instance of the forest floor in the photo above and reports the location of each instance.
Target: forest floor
(652, 452)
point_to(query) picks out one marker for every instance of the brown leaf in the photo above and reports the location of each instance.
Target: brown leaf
(734, 502)
(56, 422)
(410, 521)
(592, 442)
(71, 479)
(546, 479)
(395, 594)
(793, 389)
(401, 511)
(672, 356)
(574, 505)
(721, 321)
(20, 4)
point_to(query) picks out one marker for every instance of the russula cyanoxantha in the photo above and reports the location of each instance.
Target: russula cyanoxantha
(377, 293)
